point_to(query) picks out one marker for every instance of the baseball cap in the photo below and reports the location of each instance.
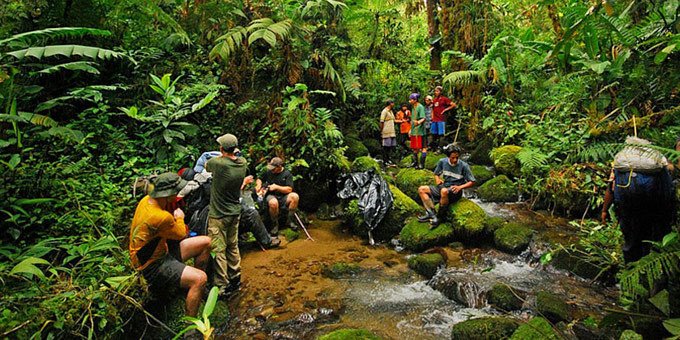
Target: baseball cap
(228, 141)
(167, 184)
(274, 163)
(414, 96)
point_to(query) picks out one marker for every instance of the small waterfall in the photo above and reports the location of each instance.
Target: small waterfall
(471, 294)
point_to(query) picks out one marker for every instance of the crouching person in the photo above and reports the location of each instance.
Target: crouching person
(276, 186)
(452, 176)
(157, 220)
(251, 220)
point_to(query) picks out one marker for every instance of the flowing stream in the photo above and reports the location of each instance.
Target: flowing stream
(392, 301)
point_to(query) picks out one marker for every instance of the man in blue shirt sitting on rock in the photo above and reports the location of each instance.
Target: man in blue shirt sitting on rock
(452, 176)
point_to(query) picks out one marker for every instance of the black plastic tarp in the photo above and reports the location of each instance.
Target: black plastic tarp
(375, 197)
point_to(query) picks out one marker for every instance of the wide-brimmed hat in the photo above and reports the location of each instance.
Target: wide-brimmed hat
(275, 163)
(167, 184)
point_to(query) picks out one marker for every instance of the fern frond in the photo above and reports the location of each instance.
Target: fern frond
(38, 119)
(532, 159)
(86, 66)
(229, 43)
(599, 152)
(650, 269)
(68, 51)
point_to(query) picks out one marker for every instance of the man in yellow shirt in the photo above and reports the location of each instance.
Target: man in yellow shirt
(156, 220)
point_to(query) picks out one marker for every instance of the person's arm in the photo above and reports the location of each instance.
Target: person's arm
(457, 188)
(173, 227)
(284, 189)
(438, 180)
(382, 120)
(450, 105)
(608, 200)
(247, 180)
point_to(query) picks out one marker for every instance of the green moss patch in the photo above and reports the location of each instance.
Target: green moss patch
(364, 163)
(630, 335)
(505, 298)
(340, 269)
(403, 207)
(537, 328)
(489, 328)
(349, 334)
(552, 307)
(481, 173)
(355, 148)
(426, 264)
(290, 234)
(417, 236)
(505, 160)
(408, 181)
(493, 223)
(498, 189)
(513, 238)
(468, 220)
(480, 155)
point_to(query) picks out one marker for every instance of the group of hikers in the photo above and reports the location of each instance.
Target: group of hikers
(420, 128)
(220, 199)
(218, 195)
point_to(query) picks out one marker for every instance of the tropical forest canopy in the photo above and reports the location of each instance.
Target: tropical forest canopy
(96, 93)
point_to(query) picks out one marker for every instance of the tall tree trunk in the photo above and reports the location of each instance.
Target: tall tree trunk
(433, 33)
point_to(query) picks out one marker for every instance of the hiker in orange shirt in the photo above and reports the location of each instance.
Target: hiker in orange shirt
(403, 119)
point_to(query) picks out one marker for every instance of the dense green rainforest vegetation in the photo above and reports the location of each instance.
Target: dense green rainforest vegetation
(95, 93)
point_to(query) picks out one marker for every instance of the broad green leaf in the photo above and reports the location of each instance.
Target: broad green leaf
(32, 201)
(116, 281)
(57, 32)
(68, 51)
(210, 302)
(660, 301)
(672, 326)
(661, 56)
(86, 66)
(27, 266)
(14, 161)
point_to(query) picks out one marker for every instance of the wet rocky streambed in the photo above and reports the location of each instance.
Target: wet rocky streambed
(309, 288)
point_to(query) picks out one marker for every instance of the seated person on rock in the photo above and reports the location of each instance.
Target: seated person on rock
(251, 220)
(157, 220)
(452, 176)
(276, 186)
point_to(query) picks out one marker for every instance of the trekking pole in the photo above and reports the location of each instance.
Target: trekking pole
(457, 129)
(309, 237)
(634, 127)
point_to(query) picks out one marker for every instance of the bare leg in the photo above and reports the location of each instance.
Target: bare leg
(292, 201)
(196, 247)
(273, 208)
(444, 201)
(424, 193)
(193, 279)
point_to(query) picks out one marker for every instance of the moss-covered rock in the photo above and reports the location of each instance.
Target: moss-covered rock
(565, 260)
(355, 148)
(552, 307)
(505, 160)
(498, 189)
(481, 173)
(417, 236)
(480, 154)
(630, 335)
(290, 234)
(513, 238)
(488, 328)
(403, 207)
(430, 160)
(349, 334)
(468, 220)
(505, 298)
(340, 269)
(408, 181)
(364, 163)
(426, 264)
(570, 187)
(537, 328)
(491, 224)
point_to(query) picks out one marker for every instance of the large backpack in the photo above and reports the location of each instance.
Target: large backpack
(640, 175)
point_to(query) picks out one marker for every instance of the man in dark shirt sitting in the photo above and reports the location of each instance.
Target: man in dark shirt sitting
(452, 176)
(276, 185)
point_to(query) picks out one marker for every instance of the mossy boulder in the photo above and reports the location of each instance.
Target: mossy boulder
(537, 328)
(355, 148)
(468, 220)
(481, 173)
(340, 269)
(552, 307)
(630, 335)
(365, 163)
(505, 160)
(373, 146)
(488, 328)
(417, 236)
(566, 260)
(505, 298)
(498, 189)
(426, 264)
(408, 181)
(430, 160)
(403, 207)
(480, 154)
(493, 223)
(290, 234)
(349, 334)
(513, 238)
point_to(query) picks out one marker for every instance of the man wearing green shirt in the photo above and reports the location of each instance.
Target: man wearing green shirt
(228, 172)
(417, 130)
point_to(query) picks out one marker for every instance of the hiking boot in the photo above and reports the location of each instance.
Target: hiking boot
(439, 218)
(292, 221)
(275, 227)
(429, 215)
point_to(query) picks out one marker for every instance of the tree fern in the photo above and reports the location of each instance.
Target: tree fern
(532, 159)
(268, 30)
(229, 43)
(463, 78)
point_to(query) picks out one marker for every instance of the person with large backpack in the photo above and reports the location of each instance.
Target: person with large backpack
(641, 189)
